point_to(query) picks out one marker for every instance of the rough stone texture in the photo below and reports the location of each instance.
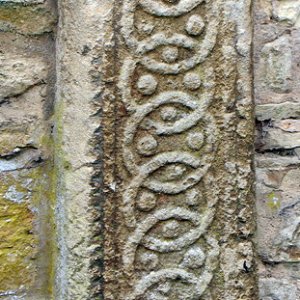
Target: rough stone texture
(21, 18)
(144, 160)
(178, 136)
(23, 2)
(84, 30)
(26, 177)
(276, 69)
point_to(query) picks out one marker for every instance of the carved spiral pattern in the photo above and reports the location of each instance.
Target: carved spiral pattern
(163, 118)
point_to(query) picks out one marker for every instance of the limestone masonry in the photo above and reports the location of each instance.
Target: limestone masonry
(149, 149)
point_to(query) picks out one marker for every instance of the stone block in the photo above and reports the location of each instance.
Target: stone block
(277, 63)
(26, 174)
(273, 289)
(28, 18)
(287, 11)
(278, 207)
(276, 52)
(20, 73)
(279, 111)
(275, 138)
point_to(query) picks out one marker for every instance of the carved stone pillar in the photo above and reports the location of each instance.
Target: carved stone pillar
(178, 179)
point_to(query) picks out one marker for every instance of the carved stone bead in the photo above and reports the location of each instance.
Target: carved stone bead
(168, 113)
(194, 258)
(195, 25)
(170, 54)
(192, 81)
(174, 172)
(147, 84)
(149, 260)
(195, 140)
(147, 145)
(146, 201)
(171, 229)
(193, 197)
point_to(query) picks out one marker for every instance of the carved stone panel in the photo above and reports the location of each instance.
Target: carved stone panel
(178, 199)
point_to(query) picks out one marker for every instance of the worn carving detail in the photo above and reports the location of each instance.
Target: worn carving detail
(177, 135)
(168, 143)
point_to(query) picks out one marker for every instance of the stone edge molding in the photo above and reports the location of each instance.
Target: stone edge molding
(83, 38)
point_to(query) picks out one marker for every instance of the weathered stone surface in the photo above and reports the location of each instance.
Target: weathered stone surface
(277, 111)
(276, 60)
(26, 174)
(22, 109)
(278, 226)
(26, 2)
(276, 57)
(276, 138)
(274, 161)
(287, 11)
(85, 32)
(278, 211)
(18, 74)
(288, 125)
(24, 252)
(35, 19)
(276, 54)
(277, 289)
(182, 69)
(18, 243)
(151, 160)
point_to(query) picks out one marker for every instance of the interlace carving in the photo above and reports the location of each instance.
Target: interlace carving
(168, 145)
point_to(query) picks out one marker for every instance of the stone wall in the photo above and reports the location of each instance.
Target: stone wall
(27, 199)
(127, 156)
(277, 98)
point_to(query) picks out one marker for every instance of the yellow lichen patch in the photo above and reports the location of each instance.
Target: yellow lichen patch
(17, 242)
(274, 201)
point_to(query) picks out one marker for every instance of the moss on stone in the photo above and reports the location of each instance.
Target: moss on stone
(35, 19)
(52, 145)
(27, 248)
(18, 244)
(45, 179)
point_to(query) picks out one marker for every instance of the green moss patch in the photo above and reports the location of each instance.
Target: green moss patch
(17, 241)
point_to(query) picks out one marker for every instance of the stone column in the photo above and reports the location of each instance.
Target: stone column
(84, 30)
(277, 90)
(178, 136)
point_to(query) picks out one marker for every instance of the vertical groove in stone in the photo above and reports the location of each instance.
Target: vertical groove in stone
(178, 189)
(109, 129)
